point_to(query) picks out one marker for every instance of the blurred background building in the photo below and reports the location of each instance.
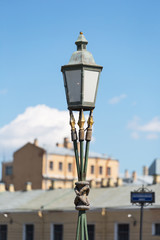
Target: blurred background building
(45, 170)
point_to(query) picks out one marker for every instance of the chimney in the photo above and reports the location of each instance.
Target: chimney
(2, 187)
(156, 179)
(28, 186)
(36, 142)
(134, 176)
(93, 183)
(104, 182)
(145, 171)
(110, 183)
(126, 174)
(59, 145)
(52, 186)
(11, 188)
(119, 182)
(67, 143)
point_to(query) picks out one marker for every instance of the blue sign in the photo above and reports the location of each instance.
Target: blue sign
(142, 197)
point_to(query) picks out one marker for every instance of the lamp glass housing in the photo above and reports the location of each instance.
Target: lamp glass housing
(90, 85)
(73, 82)
(81, 83)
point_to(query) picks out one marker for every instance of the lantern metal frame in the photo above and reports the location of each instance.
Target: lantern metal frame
(80, 104)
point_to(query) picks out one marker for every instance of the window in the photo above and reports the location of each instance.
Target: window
(92, 169)
(123, 232)
(108, 171)
(60, 166)
(69, 167)
(29, 232)
(8, 170)
(156, 229)
(100, 170)
(3, 232)
(51, 165)
(91, 233)
(57, 232)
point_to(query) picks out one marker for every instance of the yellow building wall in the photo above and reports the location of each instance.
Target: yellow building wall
(65, 174)
(104, 163)
(104, 224)
(150, 216)
(56, 172)
(32, 164)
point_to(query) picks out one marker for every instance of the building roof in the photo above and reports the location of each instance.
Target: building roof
(31, 145)
(146, 180)
(154, 168)
(62, 199)
(70, 152)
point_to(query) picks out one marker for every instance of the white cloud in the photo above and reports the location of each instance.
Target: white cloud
(47, 124)
(152, 126)
(152, 136)
(150, 130)
(117, 99)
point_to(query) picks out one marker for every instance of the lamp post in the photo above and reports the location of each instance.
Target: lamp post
(81, 78)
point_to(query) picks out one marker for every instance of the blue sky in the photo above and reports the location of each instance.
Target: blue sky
(37, 38)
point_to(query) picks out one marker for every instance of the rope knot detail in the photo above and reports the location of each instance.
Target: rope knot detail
(82, 190)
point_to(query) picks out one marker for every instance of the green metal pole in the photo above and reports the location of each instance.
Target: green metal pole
(82, 225)
(77, 158)
(78, 226)
(82, 233)
(81, 160)
(85, 225)
(81, 163)
(86, 159)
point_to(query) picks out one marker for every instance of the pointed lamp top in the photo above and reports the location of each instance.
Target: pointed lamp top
(81, 56)
(81, 41)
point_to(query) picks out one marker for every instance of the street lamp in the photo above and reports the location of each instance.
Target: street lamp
(81, 78)
(134, 220)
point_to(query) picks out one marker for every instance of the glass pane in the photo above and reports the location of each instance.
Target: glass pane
(92, 169)
(3, 232)
(108, 171)
(157, 229)
(58, 232)
(74, 85)
(9, 170)
(123, 231)
(90, 232)
(69, 167)
(29, 232)
(90, 85)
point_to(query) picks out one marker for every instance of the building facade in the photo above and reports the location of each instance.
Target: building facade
(43, 214)
(44, 170)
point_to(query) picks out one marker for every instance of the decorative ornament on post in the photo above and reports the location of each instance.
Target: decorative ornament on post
(81, 78)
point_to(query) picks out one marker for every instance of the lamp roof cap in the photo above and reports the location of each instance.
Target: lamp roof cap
(81, 56)
(81, 39)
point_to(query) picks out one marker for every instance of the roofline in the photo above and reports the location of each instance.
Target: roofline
(9, 162)
(99, 157)
(92, 209)
(29, 144)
